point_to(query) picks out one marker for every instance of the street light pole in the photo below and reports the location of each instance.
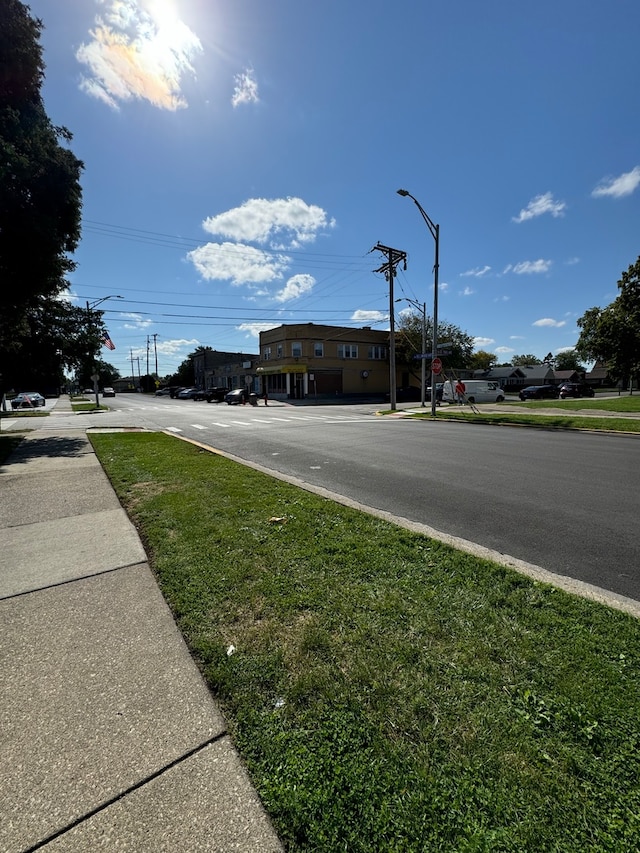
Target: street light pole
(90, 307)
(435, 233)
(422, 307)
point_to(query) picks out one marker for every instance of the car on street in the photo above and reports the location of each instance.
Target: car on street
(27, 400)
(163, 392)
(187, 394)
(575, 389)
(540, 392)
(108, 392)
(237, 396)
(216, 395)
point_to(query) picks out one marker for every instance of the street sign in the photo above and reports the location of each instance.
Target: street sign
(436, 366)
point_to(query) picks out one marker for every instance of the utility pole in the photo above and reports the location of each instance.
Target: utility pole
(133, 377)
(394, 256)
(155, 350)
(147, 355)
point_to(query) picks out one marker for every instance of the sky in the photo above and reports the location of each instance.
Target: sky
(242, 160)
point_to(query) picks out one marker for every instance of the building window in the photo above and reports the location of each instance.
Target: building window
(266, 353)
(318, 349)
(296, 349)
(377, 352)
(347, 351)
(279, 350)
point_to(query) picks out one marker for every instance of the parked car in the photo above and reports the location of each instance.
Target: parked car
(163, 392)
(108, 392)
(439, 392)
(27, 400)
(540, 392)
(186, 393)
(216, 395)
(238, 395)
(575, 389)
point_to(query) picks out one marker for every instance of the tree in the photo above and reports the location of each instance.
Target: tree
(409, 342)
(483, 360)
(40, 193)
(612, 334)
(525, 360)
(568, 360)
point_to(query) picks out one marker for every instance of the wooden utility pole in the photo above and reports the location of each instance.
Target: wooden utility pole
(394, 256)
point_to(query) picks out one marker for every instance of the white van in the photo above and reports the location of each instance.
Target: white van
(476, 391)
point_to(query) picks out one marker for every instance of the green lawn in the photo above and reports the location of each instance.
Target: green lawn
(629, 403)
(387, 692)
(524, 418)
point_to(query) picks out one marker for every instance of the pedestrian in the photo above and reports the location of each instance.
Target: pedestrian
(266, 397)
(460, 389)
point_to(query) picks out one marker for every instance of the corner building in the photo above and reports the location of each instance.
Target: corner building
(307, 360)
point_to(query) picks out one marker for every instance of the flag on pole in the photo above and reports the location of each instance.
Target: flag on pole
(106, 340)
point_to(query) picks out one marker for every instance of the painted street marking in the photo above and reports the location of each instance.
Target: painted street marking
(173, 429)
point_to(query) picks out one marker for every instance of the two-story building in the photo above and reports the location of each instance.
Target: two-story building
(308, 360)
(214, 369)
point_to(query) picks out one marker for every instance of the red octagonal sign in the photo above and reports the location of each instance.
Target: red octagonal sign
(436, 366)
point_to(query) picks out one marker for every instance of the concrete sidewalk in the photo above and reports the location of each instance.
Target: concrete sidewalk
(109, 738)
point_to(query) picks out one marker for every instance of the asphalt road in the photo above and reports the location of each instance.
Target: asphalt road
(566, 501)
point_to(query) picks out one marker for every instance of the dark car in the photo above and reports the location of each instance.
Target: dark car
(237, 396)
(540, 392)
(216, 395)
(575, 389)
(27, 400)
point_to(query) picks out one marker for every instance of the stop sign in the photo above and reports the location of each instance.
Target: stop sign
(436, 366)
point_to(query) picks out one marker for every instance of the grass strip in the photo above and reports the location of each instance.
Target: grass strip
(569, 421)
(387, 692)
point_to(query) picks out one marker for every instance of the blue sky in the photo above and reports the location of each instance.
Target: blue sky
(242, 159)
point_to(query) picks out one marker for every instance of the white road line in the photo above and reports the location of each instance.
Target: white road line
(241, 423)
(173, 429)
(198, 426)
(224, 426)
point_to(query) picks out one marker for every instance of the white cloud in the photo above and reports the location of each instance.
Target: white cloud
(504, 350)
(362, 316)
(570, 262)
(618, 187)
(443, 286)
(260, 220)
(138, 49)
(479, 343)
(467, 291)
(297, 285)
(548, 321)
(527, 267)
(237, 263)
(246, 88)
(539, 205)
(254, 329)
(477, 271)
(516, 337)
(175, 346)
(137, 321)
(502, 298)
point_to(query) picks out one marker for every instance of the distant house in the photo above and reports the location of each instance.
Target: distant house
(512, 378)
(568, 376)
(598, 376)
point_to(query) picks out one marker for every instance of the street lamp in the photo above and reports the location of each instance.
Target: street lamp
(435, 233)
(90, 307)
(422, 308)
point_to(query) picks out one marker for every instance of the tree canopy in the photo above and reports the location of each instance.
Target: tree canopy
(40, 193)
(525, 360)
(409, 342)
(612, 334)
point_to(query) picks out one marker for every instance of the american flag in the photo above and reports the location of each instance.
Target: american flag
(106, 340)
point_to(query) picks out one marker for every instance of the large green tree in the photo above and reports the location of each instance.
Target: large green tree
(612, 334)
(409, 342)
(568, 359)
(40, 193)
(527, 360)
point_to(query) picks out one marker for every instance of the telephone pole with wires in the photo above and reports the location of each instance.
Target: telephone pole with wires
(393, 256)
